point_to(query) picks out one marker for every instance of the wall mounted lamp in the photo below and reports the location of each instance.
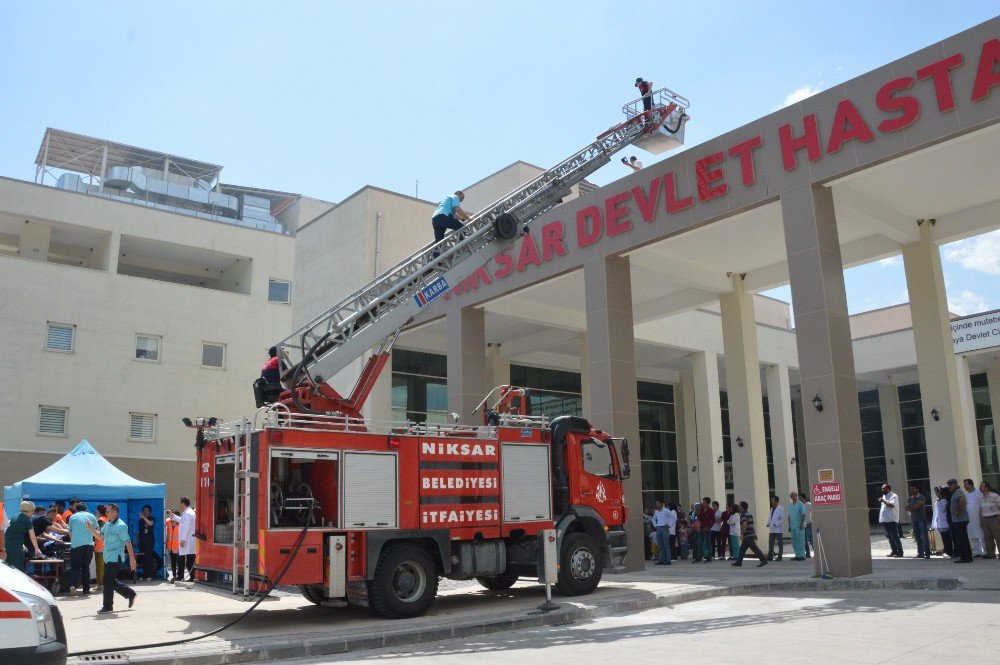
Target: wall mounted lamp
(739, 442)
(892, 461)
(935, 415)
(720, 460)
(817, 403)
(693, 469)
(794, 460)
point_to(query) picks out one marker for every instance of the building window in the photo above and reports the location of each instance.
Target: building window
(768, 447)
(727, 448)
(419, 387)
(60, 337)
(142, 427)
(52, 420)
(658, 443)
(873, 444)
(551, 392)
(213, 355)
(278, 290)
(147, 347)
(911, 418)
(985, 431)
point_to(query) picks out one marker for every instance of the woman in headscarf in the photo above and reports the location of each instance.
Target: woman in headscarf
(20, 533)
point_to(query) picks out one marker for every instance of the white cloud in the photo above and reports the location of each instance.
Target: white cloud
(800, 94)
(981, 253)
(890, 262)
(967, 302)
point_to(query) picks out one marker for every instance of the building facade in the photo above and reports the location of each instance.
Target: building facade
(127, 308)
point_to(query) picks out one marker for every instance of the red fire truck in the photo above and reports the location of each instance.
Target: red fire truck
(352, 511)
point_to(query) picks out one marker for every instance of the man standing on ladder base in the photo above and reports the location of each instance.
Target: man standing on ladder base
(646, 91)
(449, 215)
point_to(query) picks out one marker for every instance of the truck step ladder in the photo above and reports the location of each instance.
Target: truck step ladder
(242, 509)
(330, 342)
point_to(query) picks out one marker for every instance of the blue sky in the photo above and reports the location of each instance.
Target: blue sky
(322, 98)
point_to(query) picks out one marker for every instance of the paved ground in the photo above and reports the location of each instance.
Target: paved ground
(164, 612)
(759, 629)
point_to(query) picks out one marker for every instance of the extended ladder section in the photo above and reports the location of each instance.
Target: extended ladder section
(334, 339)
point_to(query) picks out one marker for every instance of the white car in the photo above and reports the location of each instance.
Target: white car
(31, 627)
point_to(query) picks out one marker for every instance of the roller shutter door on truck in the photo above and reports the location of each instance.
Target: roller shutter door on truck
(527, 496)
(371, 491)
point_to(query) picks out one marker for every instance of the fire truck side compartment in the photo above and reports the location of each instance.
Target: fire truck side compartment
(371, 490)
(526, 478)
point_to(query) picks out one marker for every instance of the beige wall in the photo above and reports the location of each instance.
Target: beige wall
(100, 382)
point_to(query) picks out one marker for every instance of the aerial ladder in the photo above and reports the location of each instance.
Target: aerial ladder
(372, 317)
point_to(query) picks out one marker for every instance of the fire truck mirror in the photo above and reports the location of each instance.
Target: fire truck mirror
(626, 469)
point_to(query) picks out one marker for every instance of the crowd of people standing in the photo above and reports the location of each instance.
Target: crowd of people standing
(709, 532)
(964, 521)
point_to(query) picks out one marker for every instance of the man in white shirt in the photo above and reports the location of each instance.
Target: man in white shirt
(989, 518)
(734, 532)
(185, 537)
(660, 523)
(976, 540)
(776, 531)
(888, 517)
(671, 528)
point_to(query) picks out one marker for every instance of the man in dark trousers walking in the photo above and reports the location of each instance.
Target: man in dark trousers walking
(749, 540)
(116, 543)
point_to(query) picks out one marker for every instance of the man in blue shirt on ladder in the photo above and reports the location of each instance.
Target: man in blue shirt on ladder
(449, 215)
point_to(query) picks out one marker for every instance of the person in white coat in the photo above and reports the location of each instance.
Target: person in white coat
(776, 530)
(976, 537)
(185, 537)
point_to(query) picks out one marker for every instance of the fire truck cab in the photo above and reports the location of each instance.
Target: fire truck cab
(356, 517)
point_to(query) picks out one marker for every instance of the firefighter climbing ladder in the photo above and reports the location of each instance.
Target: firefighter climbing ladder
(346, 331)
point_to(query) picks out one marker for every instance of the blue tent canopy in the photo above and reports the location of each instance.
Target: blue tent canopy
(82, 472)
(85, 474)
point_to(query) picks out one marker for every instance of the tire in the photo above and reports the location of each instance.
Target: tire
(581, 564)
(506, 226)
(500, 582)
(405, 582)
(313, 594)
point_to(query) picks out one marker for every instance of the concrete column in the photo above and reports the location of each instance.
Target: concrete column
(826, 367)
(585, 375)
(892, 440)
(746, 406)
(967, 414)
(614, 405)
(34, 241)
(948, 438)
(466, 332)
(687, 440)
(779, 401)
(497, 367)
(708, 423)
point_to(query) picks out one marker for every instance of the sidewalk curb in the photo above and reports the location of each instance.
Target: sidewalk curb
(266, 649)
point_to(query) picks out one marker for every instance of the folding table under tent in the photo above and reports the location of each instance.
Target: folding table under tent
(83, 473)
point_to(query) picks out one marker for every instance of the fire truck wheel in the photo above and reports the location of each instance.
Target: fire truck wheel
(405, 582)
(314, 595)
(580, 565)
(500, 582)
